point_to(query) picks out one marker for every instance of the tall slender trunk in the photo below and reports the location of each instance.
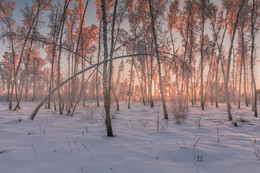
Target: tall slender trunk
(158, 61)
(140, 83)
(210, 67)
(184, 59)
(26, 89)
(55, 37)
(202, 56)
(77, 50)
(240, 81)
(233, 76)
(229, 61)
(151, 77)
(131, 71)
(254, 97)
(211, 91)
(82, 67)
(190, 70)
(216, 85)
(220, 45)
(77, 100)
(10, 84)
(26, 70)
(34, 89)
(98, 57)
(105, 89)
(111, 55)
(69, 92)
(175, 68)
(245, 86)
(21, 55)
(66, 4)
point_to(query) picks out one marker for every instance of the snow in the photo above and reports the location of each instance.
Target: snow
(58, 143)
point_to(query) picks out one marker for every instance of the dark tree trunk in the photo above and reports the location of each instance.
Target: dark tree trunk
(105, 89)
(158, 61)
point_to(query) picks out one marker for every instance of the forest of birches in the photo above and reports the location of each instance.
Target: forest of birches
(181, 52)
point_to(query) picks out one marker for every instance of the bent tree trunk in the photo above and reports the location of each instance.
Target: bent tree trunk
(33, 114)
(158, 61)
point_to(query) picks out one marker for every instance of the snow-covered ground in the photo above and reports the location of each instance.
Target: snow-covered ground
(60, 144)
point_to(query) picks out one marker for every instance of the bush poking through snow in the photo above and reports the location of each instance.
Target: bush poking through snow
(257, 153)
(198, 121)
(194, 141)
(113, 115)
(179, 114)
(243, 120)
(34, 152)
(19, 120)
(218, 136)
(198, 158)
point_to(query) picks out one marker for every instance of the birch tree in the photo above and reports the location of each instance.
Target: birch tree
(158, 59)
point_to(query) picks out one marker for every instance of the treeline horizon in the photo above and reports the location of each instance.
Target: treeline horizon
(143, 61)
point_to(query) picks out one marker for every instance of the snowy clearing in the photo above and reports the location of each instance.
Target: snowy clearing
(55, 143)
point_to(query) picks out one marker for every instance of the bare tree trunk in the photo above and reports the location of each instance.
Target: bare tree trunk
(220, 45)
(80, 94)
(201, 59)
(210, 65)
(114, 94)
(158, 60)
(216, 85)
(245, 86)
(33, 114)
(54, 43)
(10, 84)
(26, 70)
(98, 56)
(233, 74)
(140, 83)
(190, 71)
(151, 79)
(74, 89)
(21, 55)
(175, 69)
(131, 71)
(211, 91)
(240, 79)
(105, 89)
(26, 89)
(8, 88)
(66, 4)
(229, 61)
(254, 97)
(34, 90)
(183, 63)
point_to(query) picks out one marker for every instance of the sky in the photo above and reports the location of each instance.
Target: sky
(91, 19)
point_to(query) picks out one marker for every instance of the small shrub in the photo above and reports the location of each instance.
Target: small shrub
(257, 153)
(243, 120)
(198, 121)
(198, 158)
(195, 141)
(179, 114)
